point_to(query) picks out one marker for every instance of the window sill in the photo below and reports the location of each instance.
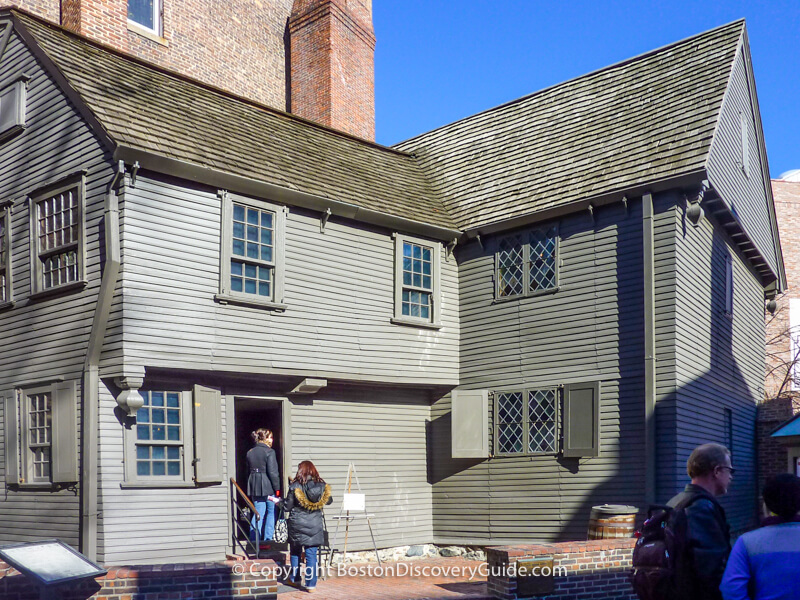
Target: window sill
(135, 485)
(414, 323)
(42, 487)
(522, 297)
(5, 305)
(148, 33)
(252, 302)
(62, 289)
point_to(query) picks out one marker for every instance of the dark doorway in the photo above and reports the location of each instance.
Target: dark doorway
(252, 413)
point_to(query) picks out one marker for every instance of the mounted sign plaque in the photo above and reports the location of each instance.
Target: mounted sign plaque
(50, 562)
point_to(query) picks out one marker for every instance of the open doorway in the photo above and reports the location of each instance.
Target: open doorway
(252, 413)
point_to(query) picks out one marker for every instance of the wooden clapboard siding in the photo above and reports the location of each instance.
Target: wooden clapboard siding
(339, 292)
(383, 431)
(719, 363)
(46, 338)
(146, 526)
(590, 329)
(744, 193)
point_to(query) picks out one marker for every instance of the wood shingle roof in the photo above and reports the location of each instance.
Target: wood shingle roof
(643, 120)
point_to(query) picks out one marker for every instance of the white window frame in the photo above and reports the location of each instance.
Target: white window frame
(7, 290)
(226, 295)
(77, 182)
(186, 444)
(526, 260)
(158, 17)
(435, 319)
(26, 454)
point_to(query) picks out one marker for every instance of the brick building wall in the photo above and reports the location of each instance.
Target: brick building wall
(778, 407)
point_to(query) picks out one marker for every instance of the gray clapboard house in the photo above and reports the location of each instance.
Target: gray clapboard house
(502, 322)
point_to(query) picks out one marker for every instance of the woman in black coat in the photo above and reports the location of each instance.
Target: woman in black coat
(308, 493)
(263, 481)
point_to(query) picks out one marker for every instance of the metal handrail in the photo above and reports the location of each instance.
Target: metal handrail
(237, 512)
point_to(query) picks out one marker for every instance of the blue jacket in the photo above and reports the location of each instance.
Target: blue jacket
(764, 565)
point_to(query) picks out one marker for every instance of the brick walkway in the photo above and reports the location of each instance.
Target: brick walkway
(424, 579)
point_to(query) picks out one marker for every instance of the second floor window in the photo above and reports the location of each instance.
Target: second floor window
(57, 237)
(417, 292)
(252, 251)
(527, 263)
(146, 13)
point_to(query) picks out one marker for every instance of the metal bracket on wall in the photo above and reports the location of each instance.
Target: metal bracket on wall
(625, 204)
(450, 248)
(134, 171)
(480, 241)
(323, 220)
(591, 213)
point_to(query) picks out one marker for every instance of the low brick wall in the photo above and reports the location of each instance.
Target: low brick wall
(597, 569)
(245, 580)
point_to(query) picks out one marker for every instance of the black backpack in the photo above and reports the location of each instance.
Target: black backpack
(660, 553)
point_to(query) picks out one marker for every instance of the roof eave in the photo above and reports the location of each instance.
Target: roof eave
(244, 185)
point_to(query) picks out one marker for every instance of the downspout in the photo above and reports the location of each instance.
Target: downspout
(649, 350)
(91, 371)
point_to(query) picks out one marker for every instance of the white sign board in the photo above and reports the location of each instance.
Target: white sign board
(50, 562)
(354, 502)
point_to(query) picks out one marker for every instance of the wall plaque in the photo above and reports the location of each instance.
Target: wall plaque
(50, 562)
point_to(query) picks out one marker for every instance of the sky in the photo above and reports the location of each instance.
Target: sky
(437, 61)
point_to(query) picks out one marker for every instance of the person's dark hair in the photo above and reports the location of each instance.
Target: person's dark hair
(782, 495)
(705, 459)
(305, 471)
(261, 436)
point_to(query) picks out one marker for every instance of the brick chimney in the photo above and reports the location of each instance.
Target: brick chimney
(332, 54)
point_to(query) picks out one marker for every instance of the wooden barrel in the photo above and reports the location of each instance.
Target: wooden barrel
(612, 521)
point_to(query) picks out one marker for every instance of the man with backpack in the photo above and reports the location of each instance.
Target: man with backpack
(683, 547)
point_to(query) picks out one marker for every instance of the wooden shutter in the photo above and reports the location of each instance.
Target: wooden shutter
(11, 439)
(207, 403)
(470, 423)
(64, 443)
(582, 419)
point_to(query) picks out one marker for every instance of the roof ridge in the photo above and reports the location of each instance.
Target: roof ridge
(207, 86)
(718, 29)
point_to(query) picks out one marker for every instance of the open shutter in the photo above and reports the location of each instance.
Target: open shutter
(207, 404)
(470, 423)
(11, 439)
(64, 451)
(582, 419)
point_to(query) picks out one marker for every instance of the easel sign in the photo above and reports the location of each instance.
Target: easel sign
(355, 502)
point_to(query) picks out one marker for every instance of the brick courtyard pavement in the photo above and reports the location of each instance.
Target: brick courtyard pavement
(424, 579)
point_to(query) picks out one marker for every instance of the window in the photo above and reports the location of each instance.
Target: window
(417, 300)
(41, 434)
(57, 238)
(252, 255)
(526, 421)
(5, 256)
(527, 263)
(160, 435)
(728, 285)
(146, 13)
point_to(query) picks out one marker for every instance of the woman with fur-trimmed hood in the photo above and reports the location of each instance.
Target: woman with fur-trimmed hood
(308, 493)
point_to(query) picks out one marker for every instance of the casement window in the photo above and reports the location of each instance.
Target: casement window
(41, 434)
(12, 106)
(417, 282)
(526, 421)
(5, 256)
(252, 256)
(58, 237)
(176, 438)
(146, 13)
(533, 421)
(728, 285)
(527, 263)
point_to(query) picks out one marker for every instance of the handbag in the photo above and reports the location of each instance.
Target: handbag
(281, 534)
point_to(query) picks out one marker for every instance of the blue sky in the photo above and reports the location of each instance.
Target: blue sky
(437, 61)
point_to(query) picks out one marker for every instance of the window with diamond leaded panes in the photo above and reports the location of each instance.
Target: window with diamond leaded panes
(526, 421)
(57, 237)
(527, 263)
(416, 281)
(252, 252)
(159, 435)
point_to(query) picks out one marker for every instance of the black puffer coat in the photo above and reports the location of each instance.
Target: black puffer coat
(304, 504)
